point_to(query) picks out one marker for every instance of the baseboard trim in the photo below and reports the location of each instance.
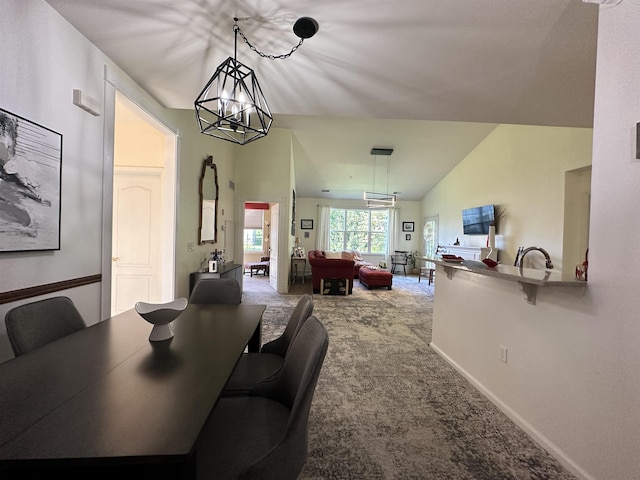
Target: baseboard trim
(538, 437)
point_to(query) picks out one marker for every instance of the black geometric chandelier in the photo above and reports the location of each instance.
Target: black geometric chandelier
(231, 105)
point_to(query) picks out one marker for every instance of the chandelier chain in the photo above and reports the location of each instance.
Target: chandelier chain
(264, 55)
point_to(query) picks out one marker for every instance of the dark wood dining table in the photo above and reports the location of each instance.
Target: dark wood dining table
(106, 400)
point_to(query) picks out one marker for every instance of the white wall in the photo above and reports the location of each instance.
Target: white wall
(577, 208)
(410, 212)
(43, 59)
(36, 82)
(572, 376)
(194, 148)
(613, 267)
(263, 172)
(522, 170)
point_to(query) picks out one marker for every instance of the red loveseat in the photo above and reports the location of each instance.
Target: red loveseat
(323, 267)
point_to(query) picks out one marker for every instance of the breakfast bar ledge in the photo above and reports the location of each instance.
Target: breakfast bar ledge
(528, 278)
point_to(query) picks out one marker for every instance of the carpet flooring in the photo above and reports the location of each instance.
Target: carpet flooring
(386, 405)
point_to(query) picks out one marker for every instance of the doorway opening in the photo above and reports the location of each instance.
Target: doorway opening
(261, 240)
(143, 208)
(577, 211)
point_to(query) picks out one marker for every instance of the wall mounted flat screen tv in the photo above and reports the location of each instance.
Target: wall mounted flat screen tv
(476, 220)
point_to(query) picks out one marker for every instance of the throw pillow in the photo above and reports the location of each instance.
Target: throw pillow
(347, 255)
(333, 254)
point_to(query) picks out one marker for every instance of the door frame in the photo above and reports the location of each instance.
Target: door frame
(114, 82)
(284, 262)
(274, 270)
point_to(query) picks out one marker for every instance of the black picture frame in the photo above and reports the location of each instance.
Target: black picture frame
(407, 226)
(407, 236)
(306, 224)
(31, 185)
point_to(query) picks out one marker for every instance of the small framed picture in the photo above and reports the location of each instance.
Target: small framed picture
(306, 234)
(407, 236)
(306, 224)
(407, 226)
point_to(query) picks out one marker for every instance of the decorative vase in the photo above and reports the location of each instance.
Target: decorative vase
(491, 241)
(160, 315)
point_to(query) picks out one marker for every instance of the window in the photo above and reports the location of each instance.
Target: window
(253, 230)
(361, 230)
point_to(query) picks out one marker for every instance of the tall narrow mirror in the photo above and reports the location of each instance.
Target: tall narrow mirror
(208, 231)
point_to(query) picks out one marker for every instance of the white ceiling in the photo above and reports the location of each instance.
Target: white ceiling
(429, 78)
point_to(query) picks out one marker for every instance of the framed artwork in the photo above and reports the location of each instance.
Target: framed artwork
(407, 226)
(306, 224)
(30, 185)
(407, 236)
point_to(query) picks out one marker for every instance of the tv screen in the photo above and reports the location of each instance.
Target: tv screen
(476, 220)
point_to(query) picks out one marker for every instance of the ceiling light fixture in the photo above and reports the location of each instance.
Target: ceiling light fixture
(375, 199)
(231, 105)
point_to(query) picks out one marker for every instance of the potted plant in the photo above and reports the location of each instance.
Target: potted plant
(412, 259)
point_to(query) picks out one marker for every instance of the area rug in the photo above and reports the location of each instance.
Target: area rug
(388, 407)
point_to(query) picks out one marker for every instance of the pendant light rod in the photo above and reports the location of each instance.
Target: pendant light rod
(235, 38)
(375, 199)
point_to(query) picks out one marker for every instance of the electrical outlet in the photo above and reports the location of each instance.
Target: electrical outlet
(190, 246)
(503, 353)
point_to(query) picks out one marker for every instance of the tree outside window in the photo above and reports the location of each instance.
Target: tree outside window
(365, 231)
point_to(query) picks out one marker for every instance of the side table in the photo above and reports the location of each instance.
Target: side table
(296, 264)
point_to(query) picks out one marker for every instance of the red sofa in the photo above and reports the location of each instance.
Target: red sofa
(323, 267)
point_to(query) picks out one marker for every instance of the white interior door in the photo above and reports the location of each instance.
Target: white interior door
(273, 260)
(137, 234)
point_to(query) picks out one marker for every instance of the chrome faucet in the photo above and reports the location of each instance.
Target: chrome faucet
(547, 262)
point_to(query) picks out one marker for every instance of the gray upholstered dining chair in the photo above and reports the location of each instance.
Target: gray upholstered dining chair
(35, 324)
(216, 290)
(264, 435)
(253, 368)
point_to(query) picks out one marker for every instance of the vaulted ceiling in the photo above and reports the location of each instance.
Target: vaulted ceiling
(429, 78)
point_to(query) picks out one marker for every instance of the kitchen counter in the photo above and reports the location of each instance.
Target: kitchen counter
(528, 278)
